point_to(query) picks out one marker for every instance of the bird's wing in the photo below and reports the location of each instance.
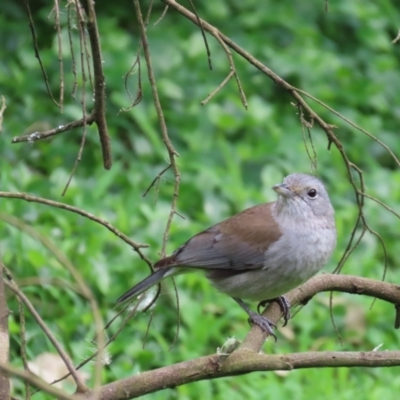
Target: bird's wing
(236, 243)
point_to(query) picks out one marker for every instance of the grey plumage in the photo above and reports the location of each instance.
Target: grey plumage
(262, 252)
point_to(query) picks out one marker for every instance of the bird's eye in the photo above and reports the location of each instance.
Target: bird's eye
(312, 194)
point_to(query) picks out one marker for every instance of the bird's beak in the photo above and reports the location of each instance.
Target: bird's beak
(284, 190)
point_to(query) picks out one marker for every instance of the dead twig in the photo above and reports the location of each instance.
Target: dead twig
(172, 153)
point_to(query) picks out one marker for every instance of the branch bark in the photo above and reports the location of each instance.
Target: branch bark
(247, 358)
(240, 362)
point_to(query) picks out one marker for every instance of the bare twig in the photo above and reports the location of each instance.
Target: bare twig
(37, 54)
(233, 68)
(34, 380)
(381, 203)
(71, 8)
(81, 387)
(202, 34)
(139, 94)
(156, 179)
(351, 123)
(232, 72)
(84, 52)
(56, 204)
(60, 52)
(43, 280)
(172, 153)
(99, 84)
(77, 161)
(178, 316)
(397, 38)
(32, 137)
(217, 89)
(98, 113)
(162, 15)
(129, 315)
(66, 263)
(306, 126)
(22, 335)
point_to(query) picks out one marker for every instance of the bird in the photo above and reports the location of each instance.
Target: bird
(262, 252)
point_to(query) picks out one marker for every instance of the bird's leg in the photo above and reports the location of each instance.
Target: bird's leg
(284, 305)
(264, 323)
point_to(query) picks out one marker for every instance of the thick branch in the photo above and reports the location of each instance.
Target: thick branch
(240, 362)
(99, 84)
(325, 283)
(246, 359)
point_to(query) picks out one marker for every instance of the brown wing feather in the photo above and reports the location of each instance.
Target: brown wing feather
(237, 243)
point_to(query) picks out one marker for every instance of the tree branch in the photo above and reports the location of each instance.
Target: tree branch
(240, 362)
(325, 283)
(247, 358)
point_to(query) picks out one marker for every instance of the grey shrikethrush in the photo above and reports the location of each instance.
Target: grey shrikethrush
(262, 252)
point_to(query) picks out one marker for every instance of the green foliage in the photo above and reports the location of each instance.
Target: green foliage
(229, 159)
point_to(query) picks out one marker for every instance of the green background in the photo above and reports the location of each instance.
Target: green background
(229, 160)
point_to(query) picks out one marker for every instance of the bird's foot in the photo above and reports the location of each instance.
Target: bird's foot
(284, 305)
(264, 323)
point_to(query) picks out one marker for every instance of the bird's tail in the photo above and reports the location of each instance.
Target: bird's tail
(150, 281)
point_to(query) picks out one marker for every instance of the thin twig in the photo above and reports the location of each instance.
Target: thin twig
(162, 15)
(202, 34)
(84, 51)
(60, 52)
(305, 125)
(172, 153)
(81, 387)
(156, 179)
(397, 38)
(32, 137)
(178, 317)
(63, 206)
(139, 93)
(38, 382)
(218, 88)
(351, 123)
(71, 47)
(67, 264)
(37, 53)
(129, 315)
(22, 336)
(77, 161)
(99, 84)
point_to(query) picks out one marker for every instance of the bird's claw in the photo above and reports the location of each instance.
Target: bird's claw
(284, 305)
(264, 323)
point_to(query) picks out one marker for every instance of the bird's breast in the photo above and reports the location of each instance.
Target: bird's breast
(289, 262)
